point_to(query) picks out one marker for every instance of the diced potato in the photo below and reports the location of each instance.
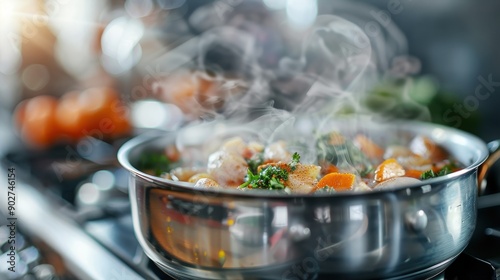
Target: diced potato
(415, 162)
(234, 145)
(228, 169)
(183, 173)
(303, 178)
(397, 151)
(196, 177)
(277, 152)
(252, 149)
(426, 148)
(390, 168)
(206, 183)
(397, 182)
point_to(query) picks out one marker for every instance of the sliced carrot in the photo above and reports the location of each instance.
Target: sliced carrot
(327, 167)
(338, 181)
(389, 168)
(413, 173)
(435, 168)
(331, 168)
(368, 147)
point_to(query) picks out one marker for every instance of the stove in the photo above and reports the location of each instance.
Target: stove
(75, 211)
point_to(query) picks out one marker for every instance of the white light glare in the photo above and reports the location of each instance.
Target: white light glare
(120, 44)
(148, 114)
(104, 180)
(88, 193)
(275, 4)
(301, 13)
(9, 37)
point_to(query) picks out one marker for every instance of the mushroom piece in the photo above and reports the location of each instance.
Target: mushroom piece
(206, 183)
(396, 182)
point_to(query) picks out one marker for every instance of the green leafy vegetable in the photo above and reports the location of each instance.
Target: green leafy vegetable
(366, 171)
(445, 170)
(270, 177)
(428, 175)
(295, 161)
(255, 161)
(154, 162)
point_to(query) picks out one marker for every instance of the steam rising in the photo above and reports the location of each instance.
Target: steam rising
(268, 72)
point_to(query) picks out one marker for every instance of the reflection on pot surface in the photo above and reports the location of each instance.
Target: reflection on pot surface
(386, 233)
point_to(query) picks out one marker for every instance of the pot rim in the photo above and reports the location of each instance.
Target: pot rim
(476, 144)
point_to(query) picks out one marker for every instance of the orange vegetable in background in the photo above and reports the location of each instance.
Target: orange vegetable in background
(367, 146)
(338, 181)
(69, 117)
(119, 116)
(94, 107)
(104, 112)
(20, 113)
(327, 167)
(36, 120)
(191, 92)
(97, 112)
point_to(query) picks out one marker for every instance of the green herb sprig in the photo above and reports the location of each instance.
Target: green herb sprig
(271, 177)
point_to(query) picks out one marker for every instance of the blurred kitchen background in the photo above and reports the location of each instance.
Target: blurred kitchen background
(67, 65)
(53, 47)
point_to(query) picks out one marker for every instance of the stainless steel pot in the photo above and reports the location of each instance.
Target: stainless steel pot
(405, 232)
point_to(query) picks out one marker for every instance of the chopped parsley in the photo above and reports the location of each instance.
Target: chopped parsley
(447, 169)
(255, 161)
(444, 171)
(428, 175)
(154, 163)
(295, 161)
(270, 177)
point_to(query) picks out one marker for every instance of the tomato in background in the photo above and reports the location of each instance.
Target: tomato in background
(105, 112)
(37, 120)
(194, 94)
(69, 116)
(98, 112)
(20, 113)
(120, 122)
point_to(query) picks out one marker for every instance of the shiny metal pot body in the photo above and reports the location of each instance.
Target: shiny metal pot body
(405, 232)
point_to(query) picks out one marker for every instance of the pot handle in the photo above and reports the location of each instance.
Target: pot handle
(494, 149)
